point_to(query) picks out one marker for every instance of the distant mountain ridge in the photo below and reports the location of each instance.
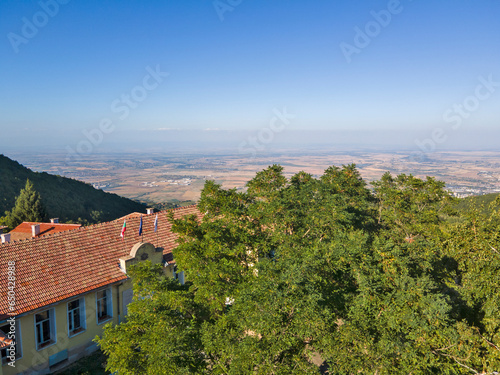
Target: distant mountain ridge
(65, 198)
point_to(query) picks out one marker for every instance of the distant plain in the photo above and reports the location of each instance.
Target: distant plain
(180, 177)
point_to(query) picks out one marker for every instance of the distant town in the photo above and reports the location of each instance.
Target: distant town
(170, 178)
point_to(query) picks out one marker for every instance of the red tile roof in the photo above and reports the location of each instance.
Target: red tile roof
(58, 266)
(23, 230)
(131, 216)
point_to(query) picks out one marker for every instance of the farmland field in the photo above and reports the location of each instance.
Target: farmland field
(169, 178)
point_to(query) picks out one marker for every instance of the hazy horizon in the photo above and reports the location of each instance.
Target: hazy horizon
(239, 142)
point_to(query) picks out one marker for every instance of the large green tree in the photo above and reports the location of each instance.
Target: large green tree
(473, 245)
(296, 272)
(28, 207)
(410, 206)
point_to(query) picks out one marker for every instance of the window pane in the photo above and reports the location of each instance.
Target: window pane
(5, 329)
(102, 309)
(46, 330)
(42, 316)
(77, 320)
(74, 305)
(38, 334)
(103, 304)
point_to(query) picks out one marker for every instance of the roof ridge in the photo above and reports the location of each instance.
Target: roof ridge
(43, 222)
(90, 227)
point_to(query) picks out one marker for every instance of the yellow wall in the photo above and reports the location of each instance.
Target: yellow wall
(169, 270)
(32, 357)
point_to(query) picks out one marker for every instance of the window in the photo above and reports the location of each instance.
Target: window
(45, 328)
(179, 276)
(76, 317)
(128, 295)
(10, 334)
(104, 305)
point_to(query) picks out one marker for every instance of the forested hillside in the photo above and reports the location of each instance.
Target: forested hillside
(65, 198)
(298, 271)
(481, 202)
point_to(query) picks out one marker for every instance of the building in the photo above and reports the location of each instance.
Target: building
(58, 290)
(27, 230)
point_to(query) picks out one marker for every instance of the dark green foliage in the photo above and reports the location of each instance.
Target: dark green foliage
(474, 246)
(161, 335)
(409, 205)
(28, 207)
(69, 200)
(296, 272)
(481, 202)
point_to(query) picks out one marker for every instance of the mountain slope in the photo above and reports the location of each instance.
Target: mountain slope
(480, 202)
(65, 198)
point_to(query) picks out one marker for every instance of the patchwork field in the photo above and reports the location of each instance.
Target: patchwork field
(169, 178)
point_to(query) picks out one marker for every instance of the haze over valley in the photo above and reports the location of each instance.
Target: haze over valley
(164, 177)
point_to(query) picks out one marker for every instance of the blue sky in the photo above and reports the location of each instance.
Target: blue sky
(230, 67)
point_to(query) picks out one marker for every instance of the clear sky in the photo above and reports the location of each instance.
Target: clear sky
(388, 67)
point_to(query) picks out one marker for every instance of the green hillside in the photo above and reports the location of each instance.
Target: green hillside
(65, 198)
(477, 201)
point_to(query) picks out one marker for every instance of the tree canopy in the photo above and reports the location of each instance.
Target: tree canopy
(302, 272)
(28, 207)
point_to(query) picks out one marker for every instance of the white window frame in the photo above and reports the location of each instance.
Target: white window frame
(52, 328)
(18, 341)
(109, 306)
(81, 312)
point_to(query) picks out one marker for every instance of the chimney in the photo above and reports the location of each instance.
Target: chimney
(149, 211)
(55, 220)
(5, 237)
(35, 230)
